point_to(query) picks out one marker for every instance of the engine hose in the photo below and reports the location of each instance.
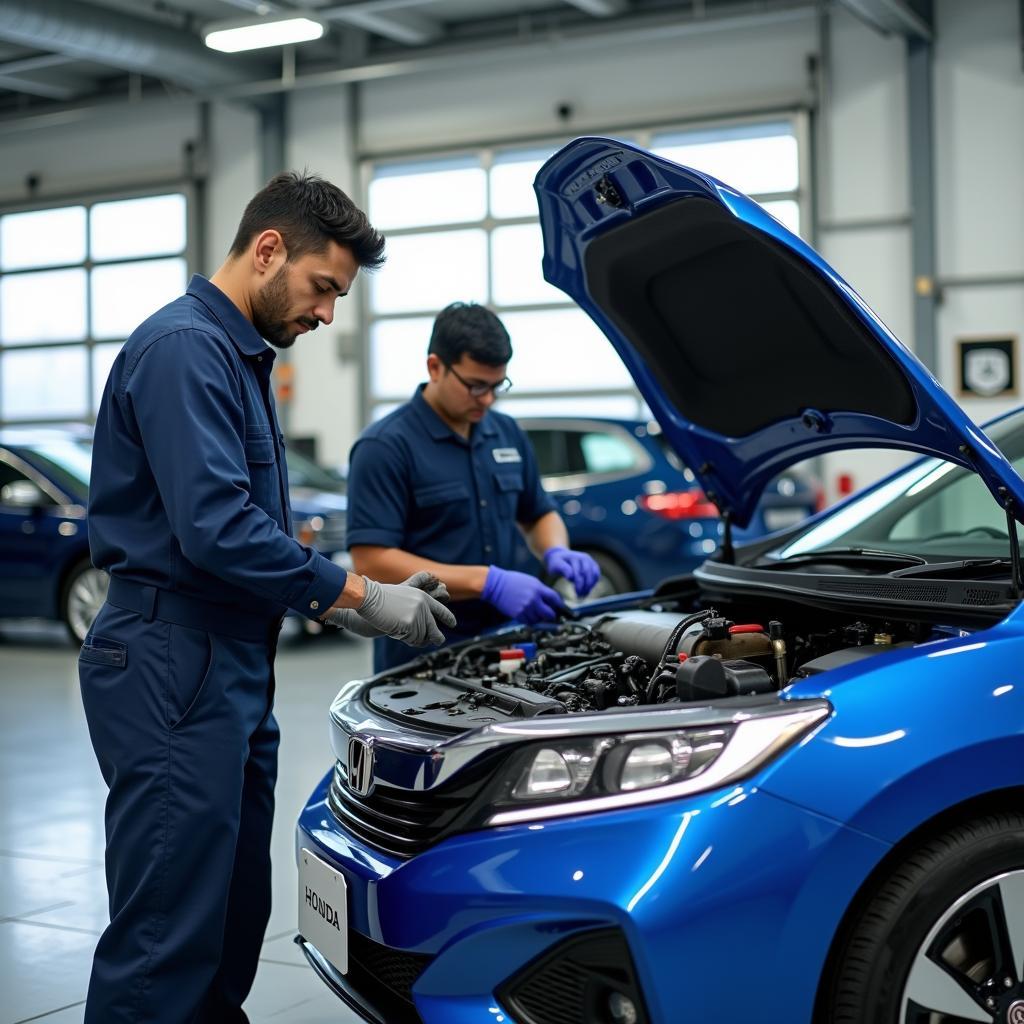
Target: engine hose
(670, 645)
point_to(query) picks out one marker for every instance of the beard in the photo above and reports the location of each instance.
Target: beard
(270, 312)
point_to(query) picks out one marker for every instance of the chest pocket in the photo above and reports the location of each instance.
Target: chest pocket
(444, 505)
(508, 486)
(262, 466)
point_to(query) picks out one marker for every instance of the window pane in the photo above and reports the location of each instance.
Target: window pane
(124, 294)
(103, 357)
(618, 406)
(48, 306)
(438, 192)
(426, 272)
(562, 350)
(607, 453)
(138, 227)
(787, 211)
(398, 356)
(517, 253)
(754, 159)
(43, 383)
(42, 238)
(512, 177)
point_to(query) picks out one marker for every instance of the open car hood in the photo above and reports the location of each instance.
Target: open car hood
(751, 351)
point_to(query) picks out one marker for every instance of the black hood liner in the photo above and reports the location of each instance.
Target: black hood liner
(738, 331)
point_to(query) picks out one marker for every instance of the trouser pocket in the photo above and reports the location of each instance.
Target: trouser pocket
(99, 650)
(190, 672)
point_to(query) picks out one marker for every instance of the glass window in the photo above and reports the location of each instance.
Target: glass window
(44, 383)
(42, 306)
(562, 350)
(124, 294)
(616, 406)
(512, 177)
(549, 449)
(398, 355)
(435, 192)
(516, 255)
(71, 278)
(129, 228)
(607, 453)
(42, 238)
(428, 271)
(755, 159)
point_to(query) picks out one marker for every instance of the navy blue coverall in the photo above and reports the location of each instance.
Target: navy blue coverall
(188, 512)
(415, 484)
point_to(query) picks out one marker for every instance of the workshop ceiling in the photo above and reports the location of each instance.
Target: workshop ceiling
(59, 52)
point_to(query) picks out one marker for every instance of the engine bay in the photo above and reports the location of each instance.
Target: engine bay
(633, 658)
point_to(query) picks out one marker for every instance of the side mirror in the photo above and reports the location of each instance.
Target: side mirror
(22, 494)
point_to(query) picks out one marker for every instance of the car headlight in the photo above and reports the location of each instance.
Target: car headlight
(602, 773)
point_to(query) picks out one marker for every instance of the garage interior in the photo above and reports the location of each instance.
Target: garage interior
(888, 134)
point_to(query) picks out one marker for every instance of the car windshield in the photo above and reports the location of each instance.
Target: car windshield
(933, 509)
(67, 463)
(304, 472)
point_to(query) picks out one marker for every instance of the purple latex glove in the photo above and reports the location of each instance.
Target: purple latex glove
(578, 568)
(521, 596)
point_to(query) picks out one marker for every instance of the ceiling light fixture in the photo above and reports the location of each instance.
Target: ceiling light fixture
(250, 35)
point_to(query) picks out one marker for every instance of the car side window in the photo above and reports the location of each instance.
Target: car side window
(549, 449)
(606, 453)
(17, 490)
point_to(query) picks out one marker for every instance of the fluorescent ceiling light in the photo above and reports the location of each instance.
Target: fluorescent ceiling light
(260, 34)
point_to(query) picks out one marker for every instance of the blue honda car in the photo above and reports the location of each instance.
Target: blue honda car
(784, 788)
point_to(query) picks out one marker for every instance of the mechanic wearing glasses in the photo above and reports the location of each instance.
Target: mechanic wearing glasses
(443, 483)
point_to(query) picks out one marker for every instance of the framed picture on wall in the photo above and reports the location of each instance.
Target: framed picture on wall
(987, 366)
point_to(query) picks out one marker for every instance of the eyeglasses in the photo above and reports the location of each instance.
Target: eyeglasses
(478, 390)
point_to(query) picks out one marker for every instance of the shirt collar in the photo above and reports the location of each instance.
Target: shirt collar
(238, 328)
(438, 429)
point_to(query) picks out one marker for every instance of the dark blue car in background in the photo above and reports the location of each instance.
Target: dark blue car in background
(629, 501)
(45, 570)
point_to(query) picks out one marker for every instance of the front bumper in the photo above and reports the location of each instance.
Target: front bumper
(728, 903)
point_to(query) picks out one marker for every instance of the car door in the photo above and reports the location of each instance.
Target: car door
(36, 539)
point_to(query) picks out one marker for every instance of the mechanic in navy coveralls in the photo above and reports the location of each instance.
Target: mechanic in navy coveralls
(443, 482)
(188, 512)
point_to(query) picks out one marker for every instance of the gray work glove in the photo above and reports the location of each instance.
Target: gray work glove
(387, 611)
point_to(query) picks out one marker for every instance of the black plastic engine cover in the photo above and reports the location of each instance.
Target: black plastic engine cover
(706, 678)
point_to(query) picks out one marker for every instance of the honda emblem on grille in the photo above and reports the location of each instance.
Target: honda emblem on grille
(360, 766)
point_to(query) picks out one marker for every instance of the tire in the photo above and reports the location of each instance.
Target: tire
(942, 938)
(614, 579)
(81, 597)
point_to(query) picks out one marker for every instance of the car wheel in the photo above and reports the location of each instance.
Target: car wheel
(614, 579)
(942, 939)
(83, 595)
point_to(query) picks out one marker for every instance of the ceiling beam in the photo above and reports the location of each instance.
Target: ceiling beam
(34, 76)
(408, 27)
(892, 17)
(600, 8)
(84, 32)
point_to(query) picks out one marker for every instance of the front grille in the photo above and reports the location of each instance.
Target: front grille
(572, 983)
(403, 822)
(394, 969)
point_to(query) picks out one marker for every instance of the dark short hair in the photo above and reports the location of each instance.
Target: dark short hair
(464, 328)
(309, 212)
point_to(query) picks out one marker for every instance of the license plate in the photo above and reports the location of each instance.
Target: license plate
(323, 908)
(779, 518)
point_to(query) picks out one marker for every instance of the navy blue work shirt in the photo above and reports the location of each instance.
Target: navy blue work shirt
(189, 489)
(415, 484)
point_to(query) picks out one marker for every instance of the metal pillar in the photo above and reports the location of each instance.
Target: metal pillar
(922, 196)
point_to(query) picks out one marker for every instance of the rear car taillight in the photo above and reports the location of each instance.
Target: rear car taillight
(692, 504)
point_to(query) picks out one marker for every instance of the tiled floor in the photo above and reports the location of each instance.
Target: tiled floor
(52, 896)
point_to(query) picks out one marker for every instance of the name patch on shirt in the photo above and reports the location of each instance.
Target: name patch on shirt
(506, 455)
